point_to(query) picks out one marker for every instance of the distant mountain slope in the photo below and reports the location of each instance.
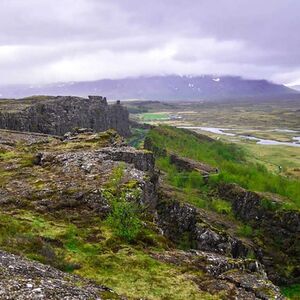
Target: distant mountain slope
(157, 88)
(296, 87)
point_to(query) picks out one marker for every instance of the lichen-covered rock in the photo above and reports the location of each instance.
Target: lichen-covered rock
(280, 247)
(21, 279)
(187, 164)
(233, 278)
(92, 163)
(251, 206)
(260, 287)
(58, 115)
(141, 159)
(182, 223)
(76, 170)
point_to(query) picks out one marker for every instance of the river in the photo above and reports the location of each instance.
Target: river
(223, 131)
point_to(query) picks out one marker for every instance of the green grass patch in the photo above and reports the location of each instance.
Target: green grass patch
(154, 116)
(137, 138)
(231, 160)
(221, 206)
(291, 292)
(137, 275)
(245, 231)
(95, 252)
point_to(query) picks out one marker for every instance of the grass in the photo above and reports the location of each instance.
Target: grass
(245, 231)
(292, 292)
(221, 206)
(142, 276)
(231, 159)
(137, 138)
(193, 187)
(273, 157)
(90, 247)
(154, 116)
(93, 251)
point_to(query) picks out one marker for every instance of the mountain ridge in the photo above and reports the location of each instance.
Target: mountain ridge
(169, 87)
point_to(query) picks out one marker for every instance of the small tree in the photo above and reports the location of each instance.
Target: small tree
(124, 219)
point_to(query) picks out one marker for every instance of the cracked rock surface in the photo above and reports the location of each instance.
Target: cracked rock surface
(22, 279)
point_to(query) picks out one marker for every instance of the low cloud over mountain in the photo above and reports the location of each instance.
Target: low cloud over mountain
(157, 88)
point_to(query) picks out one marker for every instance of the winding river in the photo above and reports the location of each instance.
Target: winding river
(223, 131)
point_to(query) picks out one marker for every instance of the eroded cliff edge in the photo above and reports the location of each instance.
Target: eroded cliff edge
(56, 195)
(58, 115)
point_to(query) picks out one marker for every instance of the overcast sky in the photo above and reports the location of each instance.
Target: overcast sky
(70, 40)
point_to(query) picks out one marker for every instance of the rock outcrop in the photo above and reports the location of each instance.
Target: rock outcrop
(75, 169)
(183, 224)
(58, 115)
(237, 279)
(21, 279)
(91, 163)
(280, 227)
(63, 189)
(251, 206)
(187, 164)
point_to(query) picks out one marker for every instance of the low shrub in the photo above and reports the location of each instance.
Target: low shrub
(124, 219)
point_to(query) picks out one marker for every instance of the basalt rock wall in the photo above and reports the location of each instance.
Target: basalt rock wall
(279, 242)
(183, 224)
(58, 115)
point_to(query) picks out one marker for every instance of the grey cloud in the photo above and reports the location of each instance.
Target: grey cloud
(49, 40)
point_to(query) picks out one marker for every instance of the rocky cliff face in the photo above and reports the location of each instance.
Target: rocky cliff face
(55, 198)
(280, 227)
(237, 279)
(58, 115)
(251, 206)
(183, 224)
(186, 164)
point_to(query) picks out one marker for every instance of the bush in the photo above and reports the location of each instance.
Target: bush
(124, 219)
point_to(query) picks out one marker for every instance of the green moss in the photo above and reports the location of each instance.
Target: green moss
(132, 184)
(113, 184)
(127, 268)
(270, 205)
(137, 275)
(6, 176)
(245, 231)
(8, 155)
(291, 292)
(221, 206)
